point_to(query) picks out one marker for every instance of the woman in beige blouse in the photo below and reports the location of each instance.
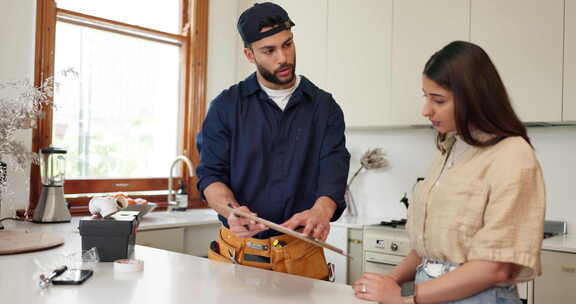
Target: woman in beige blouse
(476, 221)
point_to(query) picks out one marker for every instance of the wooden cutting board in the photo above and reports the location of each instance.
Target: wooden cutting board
(12, 242)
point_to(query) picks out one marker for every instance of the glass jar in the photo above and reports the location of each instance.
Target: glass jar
(52, 166)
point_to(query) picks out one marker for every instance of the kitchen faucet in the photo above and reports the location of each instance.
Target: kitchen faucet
(171, 201)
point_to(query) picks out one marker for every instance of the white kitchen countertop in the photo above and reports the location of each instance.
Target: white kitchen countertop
(162, 219)
(156, 220)
(168, 277)
(564, 243)
(193, 217)
(173, 219)
(358, 222)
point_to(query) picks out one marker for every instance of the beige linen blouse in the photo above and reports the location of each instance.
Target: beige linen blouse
(489, 205)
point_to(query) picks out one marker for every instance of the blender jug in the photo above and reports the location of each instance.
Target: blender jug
(52, 207)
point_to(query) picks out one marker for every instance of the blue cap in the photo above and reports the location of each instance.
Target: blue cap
(262, 15)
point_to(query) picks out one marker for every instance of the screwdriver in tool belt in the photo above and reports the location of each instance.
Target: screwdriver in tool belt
(278, 243)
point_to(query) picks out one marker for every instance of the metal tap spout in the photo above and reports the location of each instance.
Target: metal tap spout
(171, 201)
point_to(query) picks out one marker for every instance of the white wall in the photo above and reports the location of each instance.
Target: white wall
(556, 150)
(223, 42)
(17, 33)
(379, 192)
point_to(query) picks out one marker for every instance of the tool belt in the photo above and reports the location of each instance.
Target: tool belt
(281, 253)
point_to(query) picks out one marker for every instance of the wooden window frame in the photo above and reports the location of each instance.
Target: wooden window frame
(194, 53)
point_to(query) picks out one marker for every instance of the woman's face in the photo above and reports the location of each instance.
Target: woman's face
(438, 106)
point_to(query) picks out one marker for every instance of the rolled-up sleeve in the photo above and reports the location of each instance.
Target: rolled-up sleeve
(213, 143)
(514, 217)
(334, 162)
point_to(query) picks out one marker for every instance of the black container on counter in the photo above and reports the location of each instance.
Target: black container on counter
(114, 237)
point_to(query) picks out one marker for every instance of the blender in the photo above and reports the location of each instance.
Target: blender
(52, 207)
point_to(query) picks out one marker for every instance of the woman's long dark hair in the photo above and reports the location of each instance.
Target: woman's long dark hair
(480, 98)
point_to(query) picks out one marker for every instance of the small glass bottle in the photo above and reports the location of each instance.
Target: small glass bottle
(181, 197)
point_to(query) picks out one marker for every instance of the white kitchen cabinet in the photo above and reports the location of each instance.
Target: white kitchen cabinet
(569, 102)
(355, 243)
(420, 28)
(197, 238)
(309, 38)
(358, 59)
(524, 39)
(190, 239)
(338, 237)
(556, 285)
(372, 60)
(526, 291)
(347, 271)
(168, 239)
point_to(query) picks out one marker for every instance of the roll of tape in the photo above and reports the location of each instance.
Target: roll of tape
(128, 265)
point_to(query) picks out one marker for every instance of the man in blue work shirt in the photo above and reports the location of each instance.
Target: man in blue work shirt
(273, 145)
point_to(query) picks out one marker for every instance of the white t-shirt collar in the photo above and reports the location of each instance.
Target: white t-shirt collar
(281, 97)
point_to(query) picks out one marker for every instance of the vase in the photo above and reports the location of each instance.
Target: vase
(352, 208)
(3, 178)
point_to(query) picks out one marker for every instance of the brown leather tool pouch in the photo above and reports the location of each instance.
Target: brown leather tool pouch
(301, 258)
(214, 253)
(288, 254)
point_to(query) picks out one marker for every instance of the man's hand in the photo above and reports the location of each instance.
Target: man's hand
(316, 221)
(219, 195)
(243, 227)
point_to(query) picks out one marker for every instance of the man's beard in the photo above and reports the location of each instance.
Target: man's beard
(271, 76)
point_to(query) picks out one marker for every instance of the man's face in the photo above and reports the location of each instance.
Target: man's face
(275, 59)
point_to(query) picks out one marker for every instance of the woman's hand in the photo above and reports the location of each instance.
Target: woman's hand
(377, 288)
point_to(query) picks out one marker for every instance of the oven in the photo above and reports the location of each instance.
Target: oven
(384, 248)
(378, 263)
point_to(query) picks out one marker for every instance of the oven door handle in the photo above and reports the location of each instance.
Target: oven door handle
(381, 258)
(381, 261)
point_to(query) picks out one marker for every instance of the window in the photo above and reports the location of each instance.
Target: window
(118, 117)
(132, 98)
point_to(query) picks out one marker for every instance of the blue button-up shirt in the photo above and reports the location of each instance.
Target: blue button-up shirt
(276, 162)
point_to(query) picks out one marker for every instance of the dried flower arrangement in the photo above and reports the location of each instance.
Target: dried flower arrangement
(372, 159)
(21, 104)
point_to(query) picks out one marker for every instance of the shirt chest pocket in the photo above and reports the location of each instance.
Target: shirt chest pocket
(468, 202)
(471, 211)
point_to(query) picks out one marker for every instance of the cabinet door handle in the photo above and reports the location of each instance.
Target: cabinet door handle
(354, 241)
(569, 269)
